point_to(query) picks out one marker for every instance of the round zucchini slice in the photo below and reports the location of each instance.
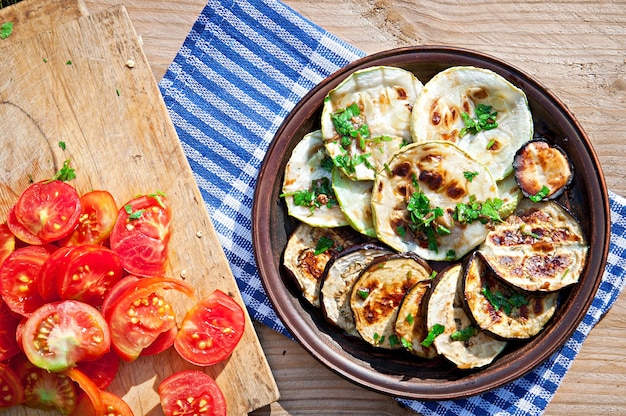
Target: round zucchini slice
(308, 251)
(430, 179)
(510, 194)
(540, 247)
(459, 340)
(366, 118)
(307, 184)
(411, 321)
(478, 110)
(378, 292)
(339, 277)
(502, 309)
(542, 170)
(355, 200)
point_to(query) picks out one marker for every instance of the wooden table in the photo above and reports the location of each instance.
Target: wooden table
(576, 49)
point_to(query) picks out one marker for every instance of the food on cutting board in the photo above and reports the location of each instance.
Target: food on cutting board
(84, 288)
(430, 177)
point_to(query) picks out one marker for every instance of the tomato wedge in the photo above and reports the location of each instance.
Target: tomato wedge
(210, 330)
(7, 242)
(88, 387)
(58, 335)
(48, 209)
(90, 272)
(54, 265)
(113, 406)
(139, 315)
(101, 371)
(18, 276)
(191, 392)
(97, 217)
(141, 234)
(11, 387)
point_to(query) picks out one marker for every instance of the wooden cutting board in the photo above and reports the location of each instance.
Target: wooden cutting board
(86, 82)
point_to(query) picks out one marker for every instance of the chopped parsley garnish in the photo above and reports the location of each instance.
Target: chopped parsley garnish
(470, 175)
(327, 164)
(62, 145)
(133, 215)
(423, 218)
(406, 343)
(433, 333)
(349, 163)
(393, 340)
(320, 193)
(500, 301)
(433, 274)
(485, 211)
(484, 119)
(157, 195)
(542, 193)
(363, 293)
(66, 173)
(409, 319)
(349, 125)
(6, 29)
(378, 339)
(464, 334)
(323, 244)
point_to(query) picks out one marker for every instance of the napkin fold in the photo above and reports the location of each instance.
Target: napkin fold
(242, 68)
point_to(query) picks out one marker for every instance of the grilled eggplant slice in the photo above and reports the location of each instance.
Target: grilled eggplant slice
(439, 170)
(339, 277)
(542, 170)
(355, 200)
(366, 118)
(305, 265)
(501, 309)
(540, 247)
(411, 321)
(378, 292)
(307, 185)
(479, 111)
(460, 341)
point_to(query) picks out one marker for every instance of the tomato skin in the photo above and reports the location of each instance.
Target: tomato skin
(68, 332)
(138, 315)
(9, 323)
(19, 231)
(141, 235)
(113, 405)
(18, 276)
(177, 388)
(11, 387)
(211, 330)
(53, 266)
(97, 217)
(88, 387)
(90, 272)
(7, 242)
(161, 343)
(48, 209)
(101, 371)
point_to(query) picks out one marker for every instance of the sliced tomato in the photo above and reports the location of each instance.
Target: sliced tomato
(11, 387)
(88, 387)
(46, 390)
(48, 209)
(7, 242)
(191, 392)
(97, 217)
(90, 272)
(60, 334)
(114, 294)
(141, 235)
(18, 276)
(54, 266)
(19, 231)
(113, 405)
(138, 315)
(9, 323)
(161, 343)
(101, 371)
(210, 330)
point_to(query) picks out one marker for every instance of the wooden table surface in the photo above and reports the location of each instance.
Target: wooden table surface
(576, 49)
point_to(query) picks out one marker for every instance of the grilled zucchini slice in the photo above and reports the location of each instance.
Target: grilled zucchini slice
(502, 309)
(458, 105)
(366, 118)
(378, 292)
(304, 264)
(355, 200)
(540, 247)
(337, 281)
(411, 321)
(445, 308)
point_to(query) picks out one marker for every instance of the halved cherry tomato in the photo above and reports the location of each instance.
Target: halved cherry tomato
(211, 330)
(9, 323)
(54, 266)
(11, 387)
(48, 209)
(141, 235)
(18, 275)
(19, 231)
(113, 405)
(97, 217)
(58, 335)
(191, 392)
(90, 272)
(138, 315)
(45, 390)
(88, 387)
(7, 242)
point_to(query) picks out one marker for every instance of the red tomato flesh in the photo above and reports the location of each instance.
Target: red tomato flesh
(54, 266)
(9, 323)
(11, 387)
(101, 371)
(211, 330)
(7, 242)
(97, 217)
(191, 392)
(59, 335)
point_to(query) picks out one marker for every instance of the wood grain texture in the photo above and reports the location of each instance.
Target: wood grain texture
(72, 83)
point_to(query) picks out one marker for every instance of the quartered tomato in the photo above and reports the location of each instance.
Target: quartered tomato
(161, 343)
(97, 217)
(89, 273)
(138, 315)
(54, 266)
(88, 387)
(18, 276)
(191, 392)
(141, 235)
(7, 242)
(9, 323)
(58, 335)
(11, 387)
(48, 209)
(211, 330)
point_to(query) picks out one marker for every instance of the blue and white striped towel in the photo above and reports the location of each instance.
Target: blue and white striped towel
(243, 67)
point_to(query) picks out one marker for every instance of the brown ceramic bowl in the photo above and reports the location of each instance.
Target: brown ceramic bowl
(400, 374)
